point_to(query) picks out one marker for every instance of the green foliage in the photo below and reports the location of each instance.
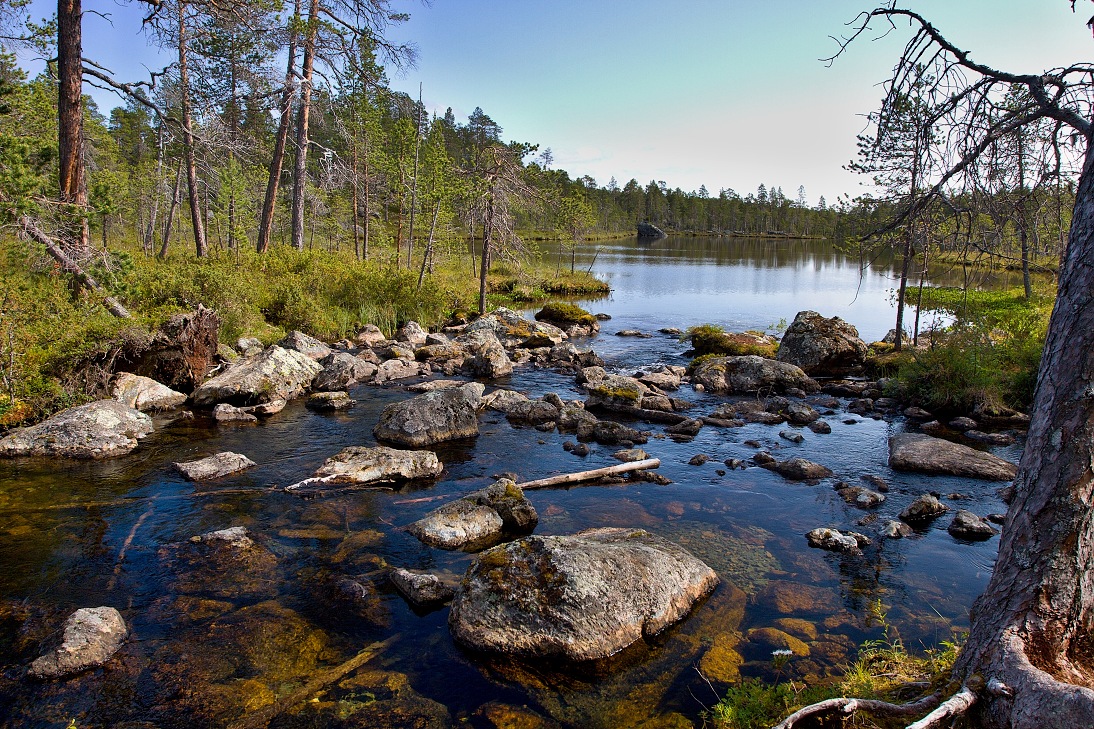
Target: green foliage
(751, 705)
(712, 339)
(988, 358)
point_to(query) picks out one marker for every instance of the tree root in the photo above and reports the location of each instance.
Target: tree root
(848, 706)
(956, 705)
(1023, 696)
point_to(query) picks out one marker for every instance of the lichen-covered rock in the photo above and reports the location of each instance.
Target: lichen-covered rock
(859, 496)
(968, 526)
(215, 466)
(412, 333)
(518, 408)
(422, 590)
(433, 417)
(579, 597)
(341, 370)
(894, 529)
(513, 330)
(925, 454)
(608, 432)
(834, 540)
(821, 346)
(379, 464)
(308, 346)
(144, 393)
(478, 519)
(399, 369)
(749, 374)
(91, 637)
(370, 336)
(275, 374)
(923, 509)
(613, 390)
(101, 429)
(488, 357)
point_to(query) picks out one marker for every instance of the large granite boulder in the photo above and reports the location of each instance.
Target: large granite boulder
(821, 346)
(578, 597)
(308, 346)
(749, 374)
(144, 393)
(478, 519)
(513, 330)
(412, 333)
(649, 230)
(925, 454)
(101, 429)
(275, 374)
(360, 465)
(433, 417)
(91, 636)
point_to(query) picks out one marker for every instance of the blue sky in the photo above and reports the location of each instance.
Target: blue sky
(722, 93)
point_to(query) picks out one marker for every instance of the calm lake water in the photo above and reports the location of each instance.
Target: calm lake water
(208, 647)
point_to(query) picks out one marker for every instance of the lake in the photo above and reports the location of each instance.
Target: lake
(208, 648)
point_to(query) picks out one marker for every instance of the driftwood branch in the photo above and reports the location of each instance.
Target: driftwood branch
(261, 719)
(847, 706)
(567, 478)
(37, 234)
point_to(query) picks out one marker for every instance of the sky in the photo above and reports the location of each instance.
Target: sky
(721, 93)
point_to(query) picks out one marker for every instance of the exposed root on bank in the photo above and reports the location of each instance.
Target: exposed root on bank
(847, 706)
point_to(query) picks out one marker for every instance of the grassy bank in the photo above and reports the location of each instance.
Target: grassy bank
(50, 332)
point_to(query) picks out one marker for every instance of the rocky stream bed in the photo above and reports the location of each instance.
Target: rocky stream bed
(337, 535)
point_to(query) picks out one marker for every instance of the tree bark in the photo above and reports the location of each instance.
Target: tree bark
(200, 245)
(70, 115)
(303, 114)
(1031, 636)
(485, 264)
(171, 212)
(269, 203)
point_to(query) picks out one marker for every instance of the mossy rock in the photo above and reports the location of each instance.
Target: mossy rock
(722, 662)
(559, 312)
(711, 339)
(774, 639)
(802, 629)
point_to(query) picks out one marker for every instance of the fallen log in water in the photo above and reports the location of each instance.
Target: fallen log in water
(567, 478)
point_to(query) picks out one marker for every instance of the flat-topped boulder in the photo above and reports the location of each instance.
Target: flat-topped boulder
(935, 456)
(579, 597)
(144, 393)
(274, 374)
(362, 465)
(215, 466)
(821, 346)
(432, 417)
(91, 637)
(749, 374)
(341, 370)
(478, 519)
(421, 589)
(101, 429)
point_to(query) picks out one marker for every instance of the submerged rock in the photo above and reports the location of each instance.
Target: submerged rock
(91, 637)
(101, 429)
(422, 590)
(749, 374)
(797, 469)
(821, 346)
(925, 454)
(275, 374)
(225, 564)
(859, 496)
(580, 597)
(215, 466)
(144, 393)
(478, 519)
(433, 417)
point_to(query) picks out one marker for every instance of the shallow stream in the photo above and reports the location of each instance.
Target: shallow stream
(207, 648)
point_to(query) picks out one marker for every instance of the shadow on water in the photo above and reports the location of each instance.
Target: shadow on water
(214, 640)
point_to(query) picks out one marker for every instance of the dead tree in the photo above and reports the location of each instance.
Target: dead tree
(1029, 659)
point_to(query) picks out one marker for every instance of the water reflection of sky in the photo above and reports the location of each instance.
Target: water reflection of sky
(740, 283)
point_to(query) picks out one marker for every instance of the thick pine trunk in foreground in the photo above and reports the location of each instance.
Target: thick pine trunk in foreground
(70, 126)
(1031, 638)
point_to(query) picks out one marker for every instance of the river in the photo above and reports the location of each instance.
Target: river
(206, 648)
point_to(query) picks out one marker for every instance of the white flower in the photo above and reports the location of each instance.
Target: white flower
(778, 653)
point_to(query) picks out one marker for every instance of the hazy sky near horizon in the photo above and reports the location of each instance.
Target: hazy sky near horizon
(721, 93)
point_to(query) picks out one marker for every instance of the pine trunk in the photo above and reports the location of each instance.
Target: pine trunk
(300, 170)
(70, 119)
(200, 245)
(1031, 638)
